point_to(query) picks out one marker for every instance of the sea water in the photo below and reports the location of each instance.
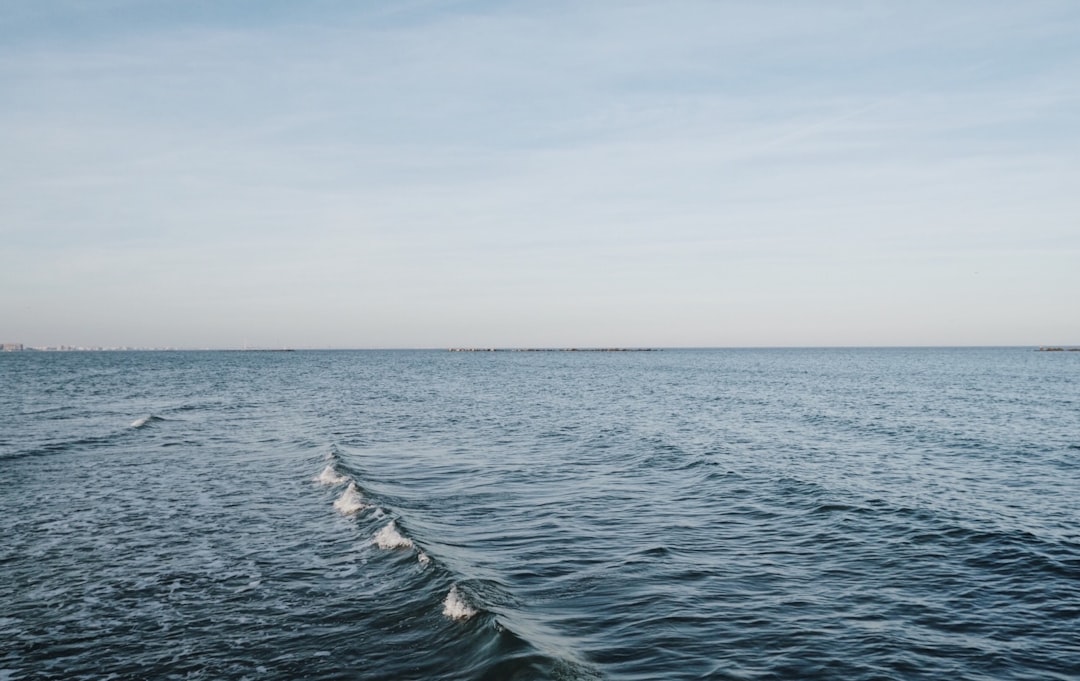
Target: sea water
(708, 514)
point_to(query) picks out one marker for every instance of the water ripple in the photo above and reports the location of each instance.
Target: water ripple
(889, 514)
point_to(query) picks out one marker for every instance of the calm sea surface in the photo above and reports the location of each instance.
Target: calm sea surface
(718, 514)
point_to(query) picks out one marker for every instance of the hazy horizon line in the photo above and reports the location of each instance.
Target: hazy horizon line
(512, 348)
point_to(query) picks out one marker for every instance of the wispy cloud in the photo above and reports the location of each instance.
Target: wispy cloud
(653, 161)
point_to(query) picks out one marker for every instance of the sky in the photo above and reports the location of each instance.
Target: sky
(224, 173)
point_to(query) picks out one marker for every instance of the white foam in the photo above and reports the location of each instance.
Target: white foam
(330, 477)
(456, 607)
(389, 538)
(423, 558)
(350, 500)
(139, 423)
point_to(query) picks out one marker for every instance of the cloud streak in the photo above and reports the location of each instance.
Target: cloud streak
(612, 173)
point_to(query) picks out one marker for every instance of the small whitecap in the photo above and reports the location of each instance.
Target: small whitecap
(330, 477)
(139, 423)
(389, 538)
(350, 501)
(456, 607)
(423, 558)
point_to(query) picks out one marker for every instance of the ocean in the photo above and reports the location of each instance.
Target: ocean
(682, 514)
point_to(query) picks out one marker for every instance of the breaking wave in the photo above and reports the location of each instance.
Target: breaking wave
(390, 538)
(330, 477)
(350, 501)
(456, 607)
(145, 421)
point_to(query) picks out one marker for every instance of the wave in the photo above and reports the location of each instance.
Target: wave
(389, 538)
(350, 501)
(116, 435)
(58, 447)
(497, 651)
(333, 454)
(330, 477)
(456, 607)
(91, 441)
(145, 421)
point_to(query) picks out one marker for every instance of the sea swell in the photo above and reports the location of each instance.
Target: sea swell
(856, 515)
(105, 439)
(497, 652)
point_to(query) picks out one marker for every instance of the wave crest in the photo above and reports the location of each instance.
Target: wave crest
(456, 607)
(389, 538)
(145, 420)
(330, 476)
(350, 501)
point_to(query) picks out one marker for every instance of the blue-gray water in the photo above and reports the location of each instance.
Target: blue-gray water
(726, 514)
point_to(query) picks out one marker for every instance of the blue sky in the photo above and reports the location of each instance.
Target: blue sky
(431, 174)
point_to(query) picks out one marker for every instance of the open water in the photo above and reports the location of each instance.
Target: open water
(717, 514)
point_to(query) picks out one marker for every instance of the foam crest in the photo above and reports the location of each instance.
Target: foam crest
(350, 501)
(330, 477)
(423, 558)
(389, 538)
(456, 607)
(150, 418)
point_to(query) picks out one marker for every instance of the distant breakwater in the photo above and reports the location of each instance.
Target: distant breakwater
(553, 350)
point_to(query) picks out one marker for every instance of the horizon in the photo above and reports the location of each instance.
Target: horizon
(696, 174)
(58, 348)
